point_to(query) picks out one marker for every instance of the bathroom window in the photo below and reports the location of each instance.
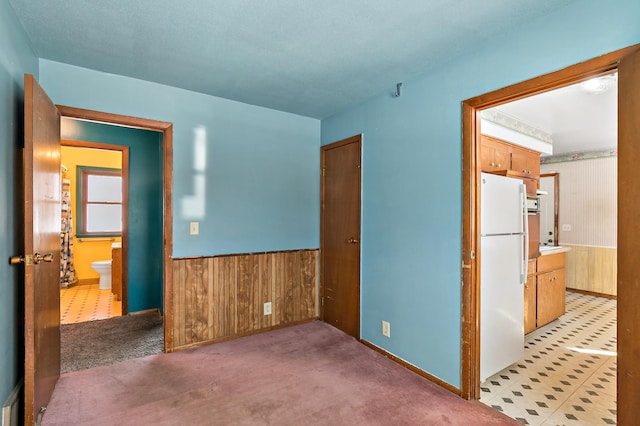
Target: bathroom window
(99, 202)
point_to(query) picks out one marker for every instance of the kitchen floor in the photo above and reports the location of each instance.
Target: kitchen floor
(82, 303)
(568, 375)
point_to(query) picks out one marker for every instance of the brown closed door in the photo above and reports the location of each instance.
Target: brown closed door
(42, 241)
(340, 235)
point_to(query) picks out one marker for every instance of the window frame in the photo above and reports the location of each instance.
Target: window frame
(82, 174)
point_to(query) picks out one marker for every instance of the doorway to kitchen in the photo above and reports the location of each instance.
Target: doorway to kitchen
(569, 352)
(626, 62)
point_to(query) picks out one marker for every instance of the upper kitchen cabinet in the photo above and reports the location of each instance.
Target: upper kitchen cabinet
(497, 156)
(525, 161)
(494, 154)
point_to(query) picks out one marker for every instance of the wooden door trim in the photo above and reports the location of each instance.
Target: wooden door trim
(470, 344)
(124, 150)
(556, 203)
(323, 149)
(166, 129)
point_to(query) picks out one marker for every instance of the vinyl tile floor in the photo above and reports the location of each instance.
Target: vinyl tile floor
(82, 303)
(568, 374)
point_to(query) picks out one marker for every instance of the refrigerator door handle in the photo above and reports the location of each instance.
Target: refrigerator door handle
(525, 223)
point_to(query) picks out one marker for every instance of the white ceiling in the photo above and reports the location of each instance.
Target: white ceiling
(576, 120)
(312, 58)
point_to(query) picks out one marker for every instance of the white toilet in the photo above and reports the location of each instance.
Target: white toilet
(103, 268)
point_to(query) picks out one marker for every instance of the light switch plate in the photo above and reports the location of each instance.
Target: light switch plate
(194, 228)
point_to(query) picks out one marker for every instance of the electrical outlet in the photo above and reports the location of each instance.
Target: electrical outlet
(566, 227)
(194, 228)
(267, 308)
(386, 329)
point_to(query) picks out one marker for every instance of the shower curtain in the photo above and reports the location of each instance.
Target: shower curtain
(67, 270)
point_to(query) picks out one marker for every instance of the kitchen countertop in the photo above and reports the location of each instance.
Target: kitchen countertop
(546, 250)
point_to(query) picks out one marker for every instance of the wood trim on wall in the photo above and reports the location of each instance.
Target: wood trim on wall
(592, 269)
(628, 239)
(592, 293)
(167, 150)
(470, 359)
(124, 150)
(556, 203)
(222, 297)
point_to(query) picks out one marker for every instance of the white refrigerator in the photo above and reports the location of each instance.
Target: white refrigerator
(504, 243)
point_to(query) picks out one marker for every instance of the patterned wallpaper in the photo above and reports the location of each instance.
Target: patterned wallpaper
(588, 200)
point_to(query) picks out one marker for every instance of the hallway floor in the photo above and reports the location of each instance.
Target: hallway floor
(568, 375)
(82, 303)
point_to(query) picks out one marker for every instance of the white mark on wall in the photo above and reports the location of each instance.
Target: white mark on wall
(193, 206)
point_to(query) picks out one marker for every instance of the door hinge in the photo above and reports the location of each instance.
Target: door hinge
(323, 172)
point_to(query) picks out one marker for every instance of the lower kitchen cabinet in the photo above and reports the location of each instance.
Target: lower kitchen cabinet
(551, 296)
(544, 291)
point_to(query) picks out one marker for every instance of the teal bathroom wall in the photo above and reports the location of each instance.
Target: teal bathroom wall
(145, 204)
(16, 58)
(412, 174)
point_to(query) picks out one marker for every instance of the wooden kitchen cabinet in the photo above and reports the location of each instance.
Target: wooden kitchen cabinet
(525, 161)
(494, 154)
(544, 291)
(551, 288)
(530, 298)
(510, 160)
(534, 235)
(551, 296)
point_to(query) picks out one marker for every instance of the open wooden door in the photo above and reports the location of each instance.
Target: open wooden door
(340, 235)
(42, 248)
(628, 238)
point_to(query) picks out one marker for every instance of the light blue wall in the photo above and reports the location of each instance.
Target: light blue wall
(16, 58)
(412, 166)
(260, 166)
(145, 205)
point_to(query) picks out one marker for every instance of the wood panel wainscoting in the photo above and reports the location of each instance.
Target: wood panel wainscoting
(222, 297)
(592, 269)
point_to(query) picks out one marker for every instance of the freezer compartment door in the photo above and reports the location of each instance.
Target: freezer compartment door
(501, 303)
(501, 205)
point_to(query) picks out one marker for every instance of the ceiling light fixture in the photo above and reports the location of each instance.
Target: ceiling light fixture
(598, 85)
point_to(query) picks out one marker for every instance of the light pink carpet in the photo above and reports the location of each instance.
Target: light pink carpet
(311, 374)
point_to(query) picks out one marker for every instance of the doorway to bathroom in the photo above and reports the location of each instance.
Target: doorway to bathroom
(95, 188)
(139, 208)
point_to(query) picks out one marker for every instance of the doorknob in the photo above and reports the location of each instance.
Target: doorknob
(352, 241)
(31, 259)
(37, 258)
